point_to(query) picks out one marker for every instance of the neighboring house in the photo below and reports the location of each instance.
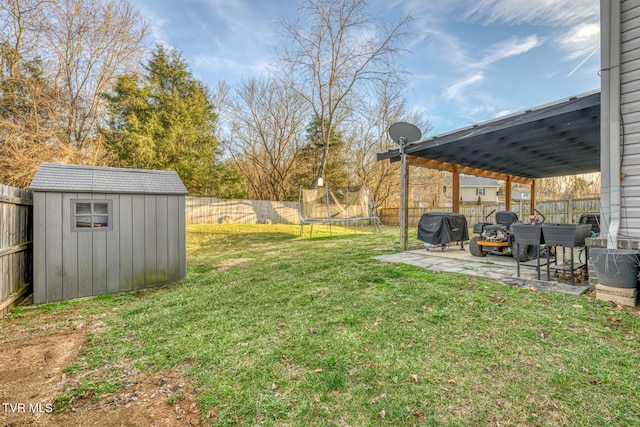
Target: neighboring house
(620, 123)
(474, 187)
(519, 195)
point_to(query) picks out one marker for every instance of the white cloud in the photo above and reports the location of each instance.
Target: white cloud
(454, 90)
(234, 14)
(466, 42)
(580, 19)
(244, 19)
(580, 40)
(494, 53)
(215, 63)
(560, 13)
(156, 26)
(502, 113)
(226, 66)
(538, 12)
(511, 47)
(484, 107)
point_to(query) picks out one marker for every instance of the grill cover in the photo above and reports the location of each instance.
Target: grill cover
(440, 228)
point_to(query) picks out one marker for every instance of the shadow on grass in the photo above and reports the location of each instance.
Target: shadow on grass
(262, 234)
(215, 244)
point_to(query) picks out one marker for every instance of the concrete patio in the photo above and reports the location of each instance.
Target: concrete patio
(500, 268)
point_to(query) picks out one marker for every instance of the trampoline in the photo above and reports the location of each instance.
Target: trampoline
(346, 206)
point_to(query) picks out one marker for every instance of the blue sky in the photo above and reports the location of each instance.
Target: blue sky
(468, 60)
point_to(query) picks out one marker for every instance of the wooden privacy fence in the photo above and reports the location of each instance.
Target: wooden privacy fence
(209, 210)
(555, 212)
(16, 219)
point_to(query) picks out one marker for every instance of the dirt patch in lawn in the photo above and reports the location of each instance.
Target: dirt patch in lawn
(32, 375)
(231, 262)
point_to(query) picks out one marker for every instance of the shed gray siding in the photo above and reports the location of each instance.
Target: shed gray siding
(144, 246)
(630, 111)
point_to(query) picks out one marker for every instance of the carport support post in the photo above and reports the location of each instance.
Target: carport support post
(507, 194)
(532, 197)
(456, 190)
(404, 197)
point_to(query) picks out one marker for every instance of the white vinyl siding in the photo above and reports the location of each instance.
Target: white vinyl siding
(630, 110)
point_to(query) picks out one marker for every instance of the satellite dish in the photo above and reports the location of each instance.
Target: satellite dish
(404, 133)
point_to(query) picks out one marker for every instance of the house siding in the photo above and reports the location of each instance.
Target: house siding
(630, 111)
(469, 196)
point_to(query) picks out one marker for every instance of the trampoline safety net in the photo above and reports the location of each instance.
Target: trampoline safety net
(343, 205)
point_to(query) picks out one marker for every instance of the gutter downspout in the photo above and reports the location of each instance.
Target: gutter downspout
(610, 120)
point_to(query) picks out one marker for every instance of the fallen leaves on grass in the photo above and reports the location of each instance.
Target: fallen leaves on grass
(377, 399)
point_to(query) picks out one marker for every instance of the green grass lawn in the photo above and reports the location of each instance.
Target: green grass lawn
(275, 329)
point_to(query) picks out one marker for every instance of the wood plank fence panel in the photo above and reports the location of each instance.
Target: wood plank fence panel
(210, 210)
(16, 218)
(555, 212)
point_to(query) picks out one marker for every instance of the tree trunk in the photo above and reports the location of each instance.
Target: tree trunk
(322, 166)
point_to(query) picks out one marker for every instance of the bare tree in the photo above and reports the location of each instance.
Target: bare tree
(338, 54)
(20, 21)
(581, 186)
(569, 187)
(58, 57)
(91, 41)
(27, 102)
(267, 122)
(369, 136)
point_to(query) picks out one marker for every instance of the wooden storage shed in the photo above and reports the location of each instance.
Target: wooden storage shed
(99, 230)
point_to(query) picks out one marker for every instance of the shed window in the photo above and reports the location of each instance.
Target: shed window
(91, 215)
(480, 191)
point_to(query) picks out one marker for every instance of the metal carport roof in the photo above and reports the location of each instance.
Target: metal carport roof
(556, 139)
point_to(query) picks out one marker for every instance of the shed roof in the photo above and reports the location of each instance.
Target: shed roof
(93, 179)
(556, 139)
